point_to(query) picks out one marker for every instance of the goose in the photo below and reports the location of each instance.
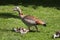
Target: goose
(29, 20)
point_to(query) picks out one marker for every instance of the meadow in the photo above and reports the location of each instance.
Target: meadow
(10, 19)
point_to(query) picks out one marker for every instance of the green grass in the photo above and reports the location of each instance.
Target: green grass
(10, 19)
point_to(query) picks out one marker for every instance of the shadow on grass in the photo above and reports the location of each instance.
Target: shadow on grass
(12, 30)
(8, 15)
(33, 31)
(6, 30)
(35, 3)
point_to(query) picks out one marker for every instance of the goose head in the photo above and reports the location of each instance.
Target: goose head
(16, 8)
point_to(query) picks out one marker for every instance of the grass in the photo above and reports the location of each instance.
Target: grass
(10, 19)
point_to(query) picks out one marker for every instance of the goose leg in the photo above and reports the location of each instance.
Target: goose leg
(29, 28)
(36, 28)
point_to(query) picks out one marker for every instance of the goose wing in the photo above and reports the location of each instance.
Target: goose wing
(32, 19)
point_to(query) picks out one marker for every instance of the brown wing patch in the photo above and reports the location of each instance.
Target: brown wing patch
(34, 19)
(30, 17)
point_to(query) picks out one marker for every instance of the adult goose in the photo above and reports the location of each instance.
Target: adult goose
(29, 20)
